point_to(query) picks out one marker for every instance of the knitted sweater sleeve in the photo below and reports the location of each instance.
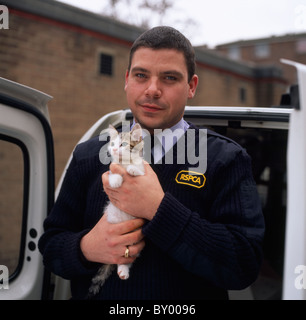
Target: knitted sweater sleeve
(60, 243)
(225, 248)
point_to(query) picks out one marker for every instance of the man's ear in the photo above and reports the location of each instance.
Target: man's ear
(126, 79)
(193, 84)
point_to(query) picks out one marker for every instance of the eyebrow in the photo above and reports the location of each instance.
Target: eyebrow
(139, 69)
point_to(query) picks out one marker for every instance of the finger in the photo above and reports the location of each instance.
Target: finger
(112, 193)
(105, 178)
(132, 238)
(123, 260)
(116, 168)
(129, 226)
(148, 169)
(136, 249)
(146, 165)
(133, 250)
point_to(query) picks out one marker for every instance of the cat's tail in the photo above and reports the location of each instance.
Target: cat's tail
(98, 280)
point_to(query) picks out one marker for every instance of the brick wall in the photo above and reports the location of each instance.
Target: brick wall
(218, 87)
(63, 63)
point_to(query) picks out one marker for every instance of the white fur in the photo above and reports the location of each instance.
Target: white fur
(115, 180)
(114, 215)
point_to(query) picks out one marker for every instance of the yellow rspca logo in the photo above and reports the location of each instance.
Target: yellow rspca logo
(191, 178)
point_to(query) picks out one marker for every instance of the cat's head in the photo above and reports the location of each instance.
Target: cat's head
(124, 147)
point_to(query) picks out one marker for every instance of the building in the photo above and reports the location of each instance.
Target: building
(269, 51)
(224, 81)
(80, 59)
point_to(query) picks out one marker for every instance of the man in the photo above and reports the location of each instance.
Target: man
(187, 241)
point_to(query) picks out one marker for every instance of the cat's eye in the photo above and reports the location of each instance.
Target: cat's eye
(112, 144)
(124, 144)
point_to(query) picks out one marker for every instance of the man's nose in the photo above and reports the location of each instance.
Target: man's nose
(153, 90)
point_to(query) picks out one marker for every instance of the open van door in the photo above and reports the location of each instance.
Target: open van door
(26, 188)
(295, 249)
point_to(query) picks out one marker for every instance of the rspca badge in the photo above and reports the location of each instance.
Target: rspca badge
(191, 178)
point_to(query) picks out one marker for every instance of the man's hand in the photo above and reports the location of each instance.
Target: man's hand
(107, 242)
(139, 196)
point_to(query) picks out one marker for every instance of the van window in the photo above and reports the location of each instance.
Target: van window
(13, 168)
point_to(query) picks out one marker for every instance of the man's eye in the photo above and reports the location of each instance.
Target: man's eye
(140, 75)
(171, 78)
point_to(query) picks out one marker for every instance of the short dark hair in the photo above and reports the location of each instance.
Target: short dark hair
(164, 37)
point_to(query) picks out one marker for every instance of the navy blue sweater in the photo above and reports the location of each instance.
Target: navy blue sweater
(205, 238)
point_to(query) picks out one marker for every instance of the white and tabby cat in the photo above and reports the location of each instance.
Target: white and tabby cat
(125, 148)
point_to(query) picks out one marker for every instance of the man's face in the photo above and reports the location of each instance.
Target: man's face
(157, 87)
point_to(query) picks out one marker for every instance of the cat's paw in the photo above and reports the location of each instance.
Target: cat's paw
(123, 271)
(115, 180)
(134, 171)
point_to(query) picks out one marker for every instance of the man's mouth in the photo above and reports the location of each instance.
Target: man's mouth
(151, 107)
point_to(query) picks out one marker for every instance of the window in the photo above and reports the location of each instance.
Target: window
(301, 46)
(262, 50)
(106, 64)
(242, 95)
(13, 167)
(234, 53)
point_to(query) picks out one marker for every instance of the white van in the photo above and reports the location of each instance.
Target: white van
(274, 137)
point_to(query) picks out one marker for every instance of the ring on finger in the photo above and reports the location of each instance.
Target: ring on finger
(127, 252)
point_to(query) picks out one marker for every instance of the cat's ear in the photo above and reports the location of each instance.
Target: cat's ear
(113, 133)
(136, 133)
